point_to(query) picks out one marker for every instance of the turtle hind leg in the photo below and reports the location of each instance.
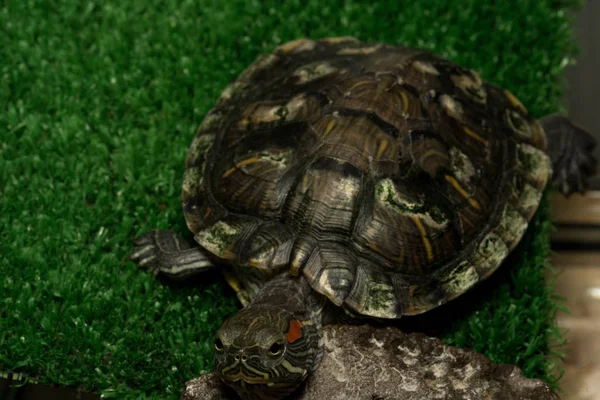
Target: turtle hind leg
(571, 151)
(163, 251)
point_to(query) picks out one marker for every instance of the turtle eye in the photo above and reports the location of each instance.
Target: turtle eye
(276, 348)
(218, 344)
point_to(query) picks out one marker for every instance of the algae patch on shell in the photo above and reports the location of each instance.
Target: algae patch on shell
(387, 194)
(218, 238)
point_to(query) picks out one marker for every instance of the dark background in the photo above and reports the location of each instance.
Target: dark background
(583, 89)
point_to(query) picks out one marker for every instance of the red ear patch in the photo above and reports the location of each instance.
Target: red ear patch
(295, 331)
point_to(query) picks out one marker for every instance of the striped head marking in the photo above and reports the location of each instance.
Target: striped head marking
(264, 352)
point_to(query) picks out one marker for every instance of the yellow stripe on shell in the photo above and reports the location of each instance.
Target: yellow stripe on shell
(514, 101)
(382, 147)
(424, 237)
(328, 129)
(463, 192)
(475, 135)
(241, 190)
(430, 153)
(357, 84)
(240, 164)
(405, 102)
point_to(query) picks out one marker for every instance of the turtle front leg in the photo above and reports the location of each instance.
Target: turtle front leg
(163, 251)
(571, 151)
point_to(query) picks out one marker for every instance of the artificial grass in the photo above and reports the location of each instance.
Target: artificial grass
(99, 100)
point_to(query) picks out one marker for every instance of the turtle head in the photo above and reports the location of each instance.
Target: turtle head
(265, 352)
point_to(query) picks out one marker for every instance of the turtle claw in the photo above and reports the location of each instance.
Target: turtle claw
(146, 253)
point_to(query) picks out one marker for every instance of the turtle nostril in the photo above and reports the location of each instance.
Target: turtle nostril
(244, 358)
(237, 357)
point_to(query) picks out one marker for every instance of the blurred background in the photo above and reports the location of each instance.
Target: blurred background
(577, 240)
(584, 78)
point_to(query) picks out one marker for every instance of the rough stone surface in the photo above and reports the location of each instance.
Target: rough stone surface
(364, 362)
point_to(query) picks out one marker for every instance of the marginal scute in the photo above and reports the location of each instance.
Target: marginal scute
(313, 71)
(350, 51)
(268, 248)
(295, 46)
(534, 165)
(471, 85)
(512, 226)
(209, 122)
(425, 68)
(192, 188)
(539, 136)
(490, 253)
(262, 62)
(335, 293)
(304, 249)
(231, 91)
(199, 149)
(373, 294)
(514, 101)
(331, 271)
(518, 124)
(459, 280)
(526, 197)
(425, 296)
(193, 179)
(219, 239)
(339, 39)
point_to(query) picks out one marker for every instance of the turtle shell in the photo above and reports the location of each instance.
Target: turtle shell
(392, 179)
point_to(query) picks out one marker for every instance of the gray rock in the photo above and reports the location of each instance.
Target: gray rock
(364, 362)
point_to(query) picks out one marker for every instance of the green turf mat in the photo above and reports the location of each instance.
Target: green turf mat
(99, 100)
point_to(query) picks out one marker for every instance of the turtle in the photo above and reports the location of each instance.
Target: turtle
(339, 179)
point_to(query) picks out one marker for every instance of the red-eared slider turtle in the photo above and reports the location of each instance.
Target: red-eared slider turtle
(342, 178)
